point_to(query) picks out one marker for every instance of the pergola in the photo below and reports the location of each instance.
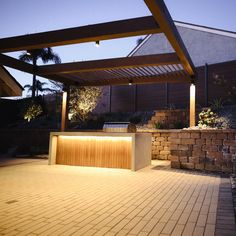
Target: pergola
(160, 68)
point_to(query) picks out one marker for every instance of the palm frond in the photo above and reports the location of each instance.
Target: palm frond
(25, 57)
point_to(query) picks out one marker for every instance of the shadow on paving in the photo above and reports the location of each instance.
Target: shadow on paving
(10, 161)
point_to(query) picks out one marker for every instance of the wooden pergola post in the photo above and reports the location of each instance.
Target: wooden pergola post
(192, 114)
(64, 108)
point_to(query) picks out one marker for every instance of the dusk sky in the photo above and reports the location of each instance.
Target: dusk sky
(19, 17)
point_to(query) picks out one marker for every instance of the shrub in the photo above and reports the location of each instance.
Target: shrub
(223, 122)
(32, 112)
(82, 101)
(207, 118)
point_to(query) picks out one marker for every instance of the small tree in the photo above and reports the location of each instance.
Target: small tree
(32, 112)
(82, 101)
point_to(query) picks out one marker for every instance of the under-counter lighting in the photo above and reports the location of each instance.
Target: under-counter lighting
(100, 138)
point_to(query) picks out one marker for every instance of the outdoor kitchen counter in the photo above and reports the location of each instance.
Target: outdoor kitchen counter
(101, 149)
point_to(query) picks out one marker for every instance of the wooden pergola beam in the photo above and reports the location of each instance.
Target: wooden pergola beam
(138, 80)
(90, 33)
(16, 64)
(164, 20)
(106, 64)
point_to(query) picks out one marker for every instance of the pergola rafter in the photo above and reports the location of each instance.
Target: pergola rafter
(90, 33)
(114, 63)
(162, 16)
(169, 68)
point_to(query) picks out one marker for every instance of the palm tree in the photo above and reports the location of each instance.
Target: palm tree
(39, 87)
(45, 54)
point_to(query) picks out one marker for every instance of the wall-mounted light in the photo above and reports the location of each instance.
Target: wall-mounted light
(130, 82)
(28, 53)
(97, 44)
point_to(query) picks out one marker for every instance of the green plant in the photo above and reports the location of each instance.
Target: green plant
(217, 104)
(82, 101)
(32, 112)
(159, 125)
(207, 118)
(223, 122)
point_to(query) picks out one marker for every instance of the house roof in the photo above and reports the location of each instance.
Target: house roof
(206, 29)
(189, 26)
(8, 84)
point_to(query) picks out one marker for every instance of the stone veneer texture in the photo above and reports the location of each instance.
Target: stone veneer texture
(211, 150)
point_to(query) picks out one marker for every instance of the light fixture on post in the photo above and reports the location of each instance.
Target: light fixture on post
(130, 82)
(64, 107)
(97, 43)
(192, 118)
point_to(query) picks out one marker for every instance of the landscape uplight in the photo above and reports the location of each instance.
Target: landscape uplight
(97, 44)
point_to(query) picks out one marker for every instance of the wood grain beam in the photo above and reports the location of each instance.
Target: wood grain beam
(106, 64)
(164, 20)
(90, 33)
(15, 64)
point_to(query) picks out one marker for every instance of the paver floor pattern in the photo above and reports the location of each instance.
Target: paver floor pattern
(37, 199)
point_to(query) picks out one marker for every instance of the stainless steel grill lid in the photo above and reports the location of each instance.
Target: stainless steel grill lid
(125, 127)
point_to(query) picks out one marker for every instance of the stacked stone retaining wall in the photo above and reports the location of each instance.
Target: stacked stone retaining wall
(211, 150)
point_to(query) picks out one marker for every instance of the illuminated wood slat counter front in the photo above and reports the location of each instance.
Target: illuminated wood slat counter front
(99, 149)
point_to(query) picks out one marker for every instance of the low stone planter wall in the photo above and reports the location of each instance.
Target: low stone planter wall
(211, 150)
(161, 145)
(170, 119)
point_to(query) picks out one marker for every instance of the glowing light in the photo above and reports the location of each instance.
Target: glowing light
(99, 138)
(97, 44)
(63, 111)
(192, 90)
(192, 105)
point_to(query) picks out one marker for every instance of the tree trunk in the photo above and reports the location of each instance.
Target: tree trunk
(34, 77)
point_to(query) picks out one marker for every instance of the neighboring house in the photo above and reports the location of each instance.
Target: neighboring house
(8, 85)
(213, 52)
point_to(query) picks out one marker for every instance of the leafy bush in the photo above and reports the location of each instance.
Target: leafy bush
(207, 118)
(82, 101)
(32, 112)
(223, 122)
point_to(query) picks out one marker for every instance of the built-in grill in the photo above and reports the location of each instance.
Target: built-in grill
(125, 127)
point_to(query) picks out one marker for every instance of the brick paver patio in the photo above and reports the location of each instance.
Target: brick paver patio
(37, 199)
